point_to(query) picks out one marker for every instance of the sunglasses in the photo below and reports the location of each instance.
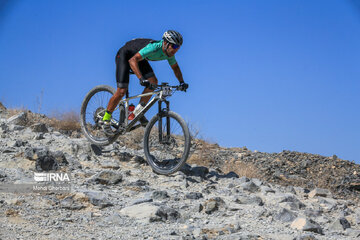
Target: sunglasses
(175, 46)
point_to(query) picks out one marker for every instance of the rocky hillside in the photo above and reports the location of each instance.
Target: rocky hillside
(221, 194)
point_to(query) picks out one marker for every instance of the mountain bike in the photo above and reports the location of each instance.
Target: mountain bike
(167, 138)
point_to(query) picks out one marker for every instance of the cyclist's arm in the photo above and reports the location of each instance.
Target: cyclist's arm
(177, 72)
(134, 64)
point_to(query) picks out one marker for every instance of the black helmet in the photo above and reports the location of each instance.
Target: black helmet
(173, 37)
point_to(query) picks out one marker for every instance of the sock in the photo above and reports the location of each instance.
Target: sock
(107, 116)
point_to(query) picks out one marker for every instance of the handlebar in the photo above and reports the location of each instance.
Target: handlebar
(156, 86)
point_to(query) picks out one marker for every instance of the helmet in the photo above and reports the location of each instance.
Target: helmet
(173, 37)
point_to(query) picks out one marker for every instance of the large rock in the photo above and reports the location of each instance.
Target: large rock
(98, 199)
(142, 212)
(306, 224)
(340, 224)
(249, 200)
(46, 163)
(166, 214)
(195, 170)
(250, 187)
(18, 119)
(213, 205)
(285, 215)
(194, 195)
(320, 192)
(39, 128)
(106, 177)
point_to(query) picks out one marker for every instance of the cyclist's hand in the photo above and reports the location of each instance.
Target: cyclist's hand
(144, 82)
(183, 86)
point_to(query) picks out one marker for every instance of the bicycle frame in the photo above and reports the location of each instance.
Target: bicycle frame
(161, 97)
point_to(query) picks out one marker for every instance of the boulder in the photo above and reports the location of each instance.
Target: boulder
(306, 224)
(18, 119)
(320, 192)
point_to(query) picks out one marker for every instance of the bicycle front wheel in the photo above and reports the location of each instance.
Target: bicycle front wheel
(167, 142)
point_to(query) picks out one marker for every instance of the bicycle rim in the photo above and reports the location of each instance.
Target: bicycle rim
(167, 149)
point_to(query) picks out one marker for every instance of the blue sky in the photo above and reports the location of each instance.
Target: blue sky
(270, 75)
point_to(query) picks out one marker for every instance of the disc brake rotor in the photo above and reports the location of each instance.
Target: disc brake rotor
(99, 114)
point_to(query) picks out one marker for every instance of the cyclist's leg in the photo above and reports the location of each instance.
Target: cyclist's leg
(122, 81)
(148, 74)
(153, 80)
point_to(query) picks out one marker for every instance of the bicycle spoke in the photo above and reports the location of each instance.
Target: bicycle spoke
(168, 150)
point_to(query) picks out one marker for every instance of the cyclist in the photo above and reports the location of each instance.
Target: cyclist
(134, 55)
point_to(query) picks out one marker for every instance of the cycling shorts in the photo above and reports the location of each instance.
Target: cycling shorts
(123, 68)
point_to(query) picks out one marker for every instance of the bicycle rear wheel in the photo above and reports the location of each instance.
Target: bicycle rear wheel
(167, 142)
(92, 110)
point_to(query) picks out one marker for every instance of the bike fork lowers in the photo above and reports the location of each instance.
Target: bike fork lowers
(161, 114)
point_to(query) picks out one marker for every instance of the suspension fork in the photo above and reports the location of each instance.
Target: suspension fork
(161, 114)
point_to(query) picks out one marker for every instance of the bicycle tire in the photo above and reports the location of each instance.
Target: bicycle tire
(84, 105)
(187, 143)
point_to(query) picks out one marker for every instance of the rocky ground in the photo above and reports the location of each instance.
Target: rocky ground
(115, 195)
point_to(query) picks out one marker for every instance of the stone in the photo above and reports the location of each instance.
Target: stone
(306, 224)
(166, 213)
(306, 237)
(213, 205)
(114, 219)
(46, 163)
(110, 164)
(142, 212)
(139, 183)
(125, 157)
(69, 203)
(242, 180)
(60, 157)
(39, 128)
(41, 152)
(19, 119)
(142, 200)
(266, 189)
(231, 175)
(250, 187)
(159, 195)
(195, 171)
(84, 157)
(138, 160)
(98, 199)
(2, 175)
(194, 195)
(20, 143)
(249, 200)
(39, 136)
(198, 207)
(340, 224)
(257, 182)
(107, 177)
(285, 215)
(319, 192)
(13, 127)
(95, 149)
(2, 107)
